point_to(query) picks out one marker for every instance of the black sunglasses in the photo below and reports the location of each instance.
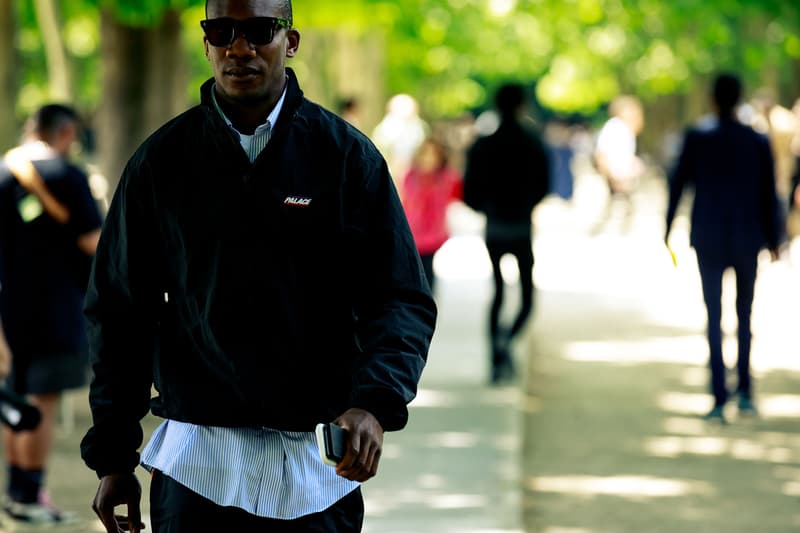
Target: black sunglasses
(257, 30)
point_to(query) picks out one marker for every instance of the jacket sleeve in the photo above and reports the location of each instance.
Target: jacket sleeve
(394, 309)
(680, 176)
(121, 329)
(475, 178)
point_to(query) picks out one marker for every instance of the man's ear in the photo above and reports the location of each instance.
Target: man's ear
(292, 42)
(205, 45)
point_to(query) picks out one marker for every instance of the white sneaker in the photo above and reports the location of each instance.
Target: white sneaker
(38, 513)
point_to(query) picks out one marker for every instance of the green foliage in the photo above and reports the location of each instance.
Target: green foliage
(144, 12)
(451, 54)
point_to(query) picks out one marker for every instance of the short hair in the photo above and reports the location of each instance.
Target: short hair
(622, 103)
(285, 6)
(509, 98)
(727, 91)
(50, 118)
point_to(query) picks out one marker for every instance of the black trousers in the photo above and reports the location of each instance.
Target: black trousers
(521, 249)
(176, 509)
(711, 276)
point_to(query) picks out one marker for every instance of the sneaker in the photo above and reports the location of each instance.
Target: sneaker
(38, 513)
(716, 414)
(502, 369)
(747, 408)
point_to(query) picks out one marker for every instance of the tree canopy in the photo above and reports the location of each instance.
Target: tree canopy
(451, 54)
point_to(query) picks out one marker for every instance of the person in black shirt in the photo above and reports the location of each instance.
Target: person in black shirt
(506, 176)
(49, 227)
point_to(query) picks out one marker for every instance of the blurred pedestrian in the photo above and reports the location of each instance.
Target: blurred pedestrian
(400, 133)
(735, 214)
(616, 159)
(350, 110)
(558, 138)
(428, 189)
(257, 269)
(793, 218)
(779, 124)
(794, 202)
(506, 176)
(49, 227)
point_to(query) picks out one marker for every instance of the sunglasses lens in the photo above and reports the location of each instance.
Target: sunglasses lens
(219, 32)
(258, 30)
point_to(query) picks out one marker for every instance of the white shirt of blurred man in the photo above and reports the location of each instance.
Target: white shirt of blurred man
(615, 151)
(400, 133)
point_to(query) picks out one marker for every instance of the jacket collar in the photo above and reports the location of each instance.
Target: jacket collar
(294, 97)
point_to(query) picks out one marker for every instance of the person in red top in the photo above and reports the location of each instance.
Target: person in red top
(428, 188)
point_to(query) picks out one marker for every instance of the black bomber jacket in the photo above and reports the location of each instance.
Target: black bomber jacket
(277, 294)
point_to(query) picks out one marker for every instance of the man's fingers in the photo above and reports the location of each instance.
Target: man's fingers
(351, 454)
(124, 524)
(106, 516)
(373, 460)
(365, 465)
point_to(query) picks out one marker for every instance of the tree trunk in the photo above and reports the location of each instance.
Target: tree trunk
(167, 74)
(58, 72)
(144, 84)
(362, 75)
(329, 71)
(9, 128)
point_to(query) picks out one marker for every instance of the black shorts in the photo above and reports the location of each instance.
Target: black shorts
(50, 373)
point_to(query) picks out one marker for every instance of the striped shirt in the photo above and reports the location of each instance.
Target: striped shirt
(252, 144)
(275, 474)
(269, 473)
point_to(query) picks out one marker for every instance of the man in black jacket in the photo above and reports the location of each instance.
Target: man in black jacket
(506, 176)
(257, 268)
(735, 214)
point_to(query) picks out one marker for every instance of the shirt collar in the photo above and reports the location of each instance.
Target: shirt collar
(272, 118)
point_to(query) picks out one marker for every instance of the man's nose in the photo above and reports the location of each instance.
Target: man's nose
(241, 46)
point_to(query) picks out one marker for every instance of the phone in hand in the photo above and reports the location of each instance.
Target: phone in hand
(332, 443)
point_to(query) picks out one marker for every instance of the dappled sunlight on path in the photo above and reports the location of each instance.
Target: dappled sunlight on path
(618, 368)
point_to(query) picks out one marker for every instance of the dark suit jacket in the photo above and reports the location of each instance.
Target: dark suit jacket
(736, 211)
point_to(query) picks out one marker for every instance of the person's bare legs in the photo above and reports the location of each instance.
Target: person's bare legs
(29, 450)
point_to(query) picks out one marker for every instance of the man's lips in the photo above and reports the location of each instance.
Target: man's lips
(240, 72)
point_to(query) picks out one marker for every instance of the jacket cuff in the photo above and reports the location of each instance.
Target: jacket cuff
(385, 405)
(95, 448)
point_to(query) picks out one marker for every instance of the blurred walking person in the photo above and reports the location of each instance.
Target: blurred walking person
(735, 215)
(428, 189)
(506, 176)
(561, 152)
(615, 157)
(793, 215)
(49, 228)
(400, 133)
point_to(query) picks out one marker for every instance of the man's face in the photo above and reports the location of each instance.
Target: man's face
(246, 72)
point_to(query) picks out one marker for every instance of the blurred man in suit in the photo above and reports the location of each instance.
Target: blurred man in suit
(734, 216)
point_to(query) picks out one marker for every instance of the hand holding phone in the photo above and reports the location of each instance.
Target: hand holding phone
(332, 443)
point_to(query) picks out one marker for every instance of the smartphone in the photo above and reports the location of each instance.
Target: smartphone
(332, 443)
